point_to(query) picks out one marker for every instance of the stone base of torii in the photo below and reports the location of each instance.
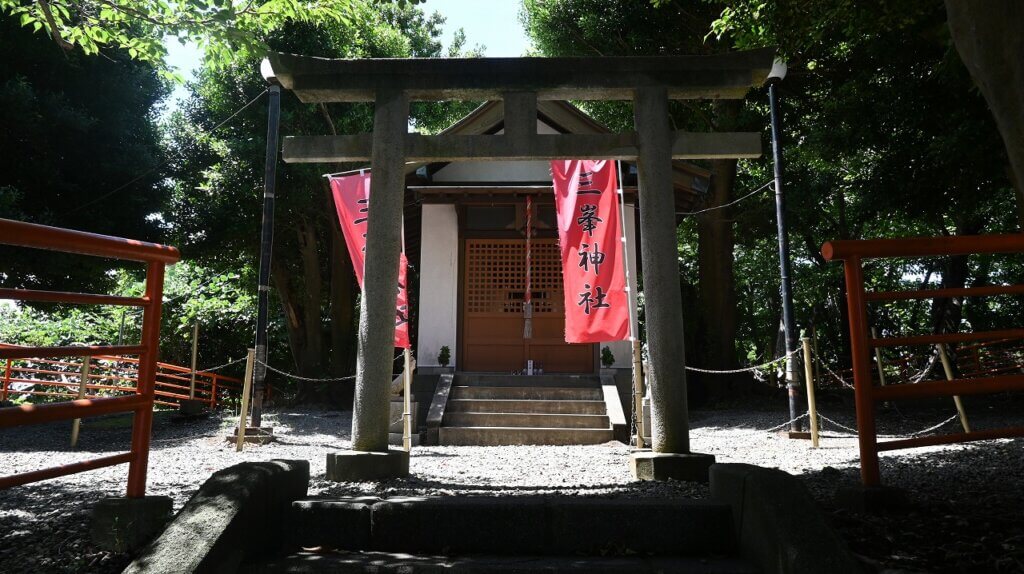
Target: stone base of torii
(650, 82)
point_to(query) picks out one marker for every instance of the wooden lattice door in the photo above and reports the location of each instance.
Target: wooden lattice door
(493, 291)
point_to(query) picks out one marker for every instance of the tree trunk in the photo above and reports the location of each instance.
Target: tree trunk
(948, 311)
(716, 277)
(312, 353)
(988, 37)
(715, 242)
(342, 309)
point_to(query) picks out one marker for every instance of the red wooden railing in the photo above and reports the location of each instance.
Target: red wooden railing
(866, 393)
(141, 402)
(110, 376)
(979, 359)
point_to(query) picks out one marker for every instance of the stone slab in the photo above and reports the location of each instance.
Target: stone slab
(459, 525)
(437, 406)
(253, 435)
(401, 563)
(647, 465)
(778, 525)
(336, 524)
(363, 466)
(397, 409)
(395, 438)
(644, 526)
(237, 514)
(121, 524)
(520, 525)
(192, 407)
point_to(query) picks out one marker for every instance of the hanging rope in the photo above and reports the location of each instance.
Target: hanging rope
(528, 295)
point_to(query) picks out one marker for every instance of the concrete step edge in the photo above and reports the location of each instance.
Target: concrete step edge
(385, 563)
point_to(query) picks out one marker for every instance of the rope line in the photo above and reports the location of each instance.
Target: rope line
(746, 369)
(166, 161)
(724, 205)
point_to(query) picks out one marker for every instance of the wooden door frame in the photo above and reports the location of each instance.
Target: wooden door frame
(463, 235)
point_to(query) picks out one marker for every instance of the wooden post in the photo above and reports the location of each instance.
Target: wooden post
(812, 407)
(243, 414)
(195, 350)
(407, 401)
(213, 391)
(638, 392)
(7, 382)
(878, 358)
(83, 380)
(817, 356)
(956, 398)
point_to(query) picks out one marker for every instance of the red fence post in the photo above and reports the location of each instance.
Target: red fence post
(863, 385)
(213, 391)
(143, 421)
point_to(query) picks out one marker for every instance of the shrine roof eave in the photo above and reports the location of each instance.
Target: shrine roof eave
(718, 76)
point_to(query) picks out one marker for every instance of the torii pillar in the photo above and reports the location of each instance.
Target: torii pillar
(670, 455)
(370, 458)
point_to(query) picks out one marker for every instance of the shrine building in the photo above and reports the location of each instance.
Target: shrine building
(465, 235)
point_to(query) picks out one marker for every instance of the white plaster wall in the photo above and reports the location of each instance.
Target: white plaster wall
(623, 350)
(498, 171)
(439, 283)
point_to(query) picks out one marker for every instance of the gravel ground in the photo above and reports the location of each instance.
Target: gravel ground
(964, 516)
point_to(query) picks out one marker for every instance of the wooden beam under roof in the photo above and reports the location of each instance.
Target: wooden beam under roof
(446, 148)
(718, 76)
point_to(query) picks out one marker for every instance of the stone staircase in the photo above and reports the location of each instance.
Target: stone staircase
(521, 534)
(496, 410)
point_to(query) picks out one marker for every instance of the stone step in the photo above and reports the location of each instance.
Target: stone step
(526, 420)
(463, 419)
(527, 393)
(502, 380)
(515, 525)
(505, 436)
(388, 563)
(525, 406)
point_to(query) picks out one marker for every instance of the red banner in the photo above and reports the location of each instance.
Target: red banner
(589, 234)
(352, 200)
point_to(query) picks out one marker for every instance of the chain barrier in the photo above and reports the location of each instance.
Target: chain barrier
(907, 435)
(745, 369)
(841, 380)
(311, 379)
(306, 379)
(228, 364)
(754, 432)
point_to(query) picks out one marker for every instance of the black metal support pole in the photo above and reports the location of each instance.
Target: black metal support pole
(789, 323)
(266, 247)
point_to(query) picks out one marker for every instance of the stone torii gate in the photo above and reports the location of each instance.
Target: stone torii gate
(650, 82)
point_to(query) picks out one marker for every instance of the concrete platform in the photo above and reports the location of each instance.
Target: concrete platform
(253, 435)
(397, 563)
(363, 466)
(647, 465)
(539, 525)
